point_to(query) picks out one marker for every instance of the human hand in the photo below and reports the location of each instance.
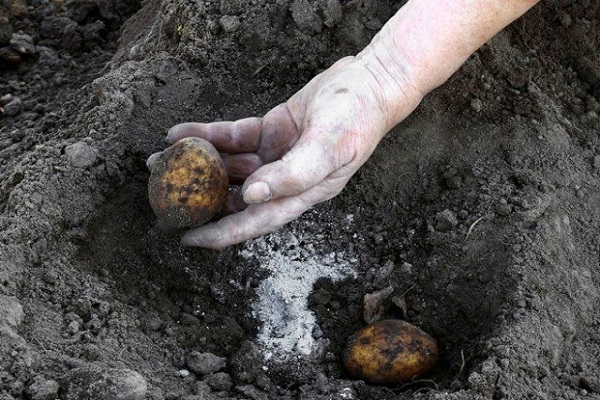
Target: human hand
(300, 153)
(304, 151)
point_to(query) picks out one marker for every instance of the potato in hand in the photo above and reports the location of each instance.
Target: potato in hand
(188, 183)
(390, 352)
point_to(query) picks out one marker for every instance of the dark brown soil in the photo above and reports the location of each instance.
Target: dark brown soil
(480, 210)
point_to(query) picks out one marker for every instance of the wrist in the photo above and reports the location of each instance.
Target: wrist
(395, 78)
(421, 46)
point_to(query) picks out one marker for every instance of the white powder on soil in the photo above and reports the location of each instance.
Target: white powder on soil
(282, 304)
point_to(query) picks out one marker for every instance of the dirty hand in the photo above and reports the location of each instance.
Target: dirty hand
(301, 152)
(304, 151)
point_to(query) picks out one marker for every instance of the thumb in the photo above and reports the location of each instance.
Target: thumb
(307, 164)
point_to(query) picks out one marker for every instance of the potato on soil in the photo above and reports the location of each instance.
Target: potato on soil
(188, 183)
(389, 352)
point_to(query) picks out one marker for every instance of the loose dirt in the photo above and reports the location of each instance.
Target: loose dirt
(480, 210)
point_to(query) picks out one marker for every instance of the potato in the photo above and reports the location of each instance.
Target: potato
(389, 352)
(188, 183)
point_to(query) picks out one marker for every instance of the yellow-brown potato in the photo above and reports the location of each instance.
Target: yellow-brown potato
(188, 183)
(390, 352)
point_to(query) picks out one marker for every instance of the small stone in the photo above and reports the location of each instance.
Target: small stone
(565, 19)
(406, 268)
(201, 388)
(476, 105)
(47, 56)
(13, 107)
(95, 383)
(11, 312)
(333, 12)
(5, 99)
(183, 373)
(305, 18)
(247, 362)
(503, 209)
(22, 43)
(220, 382)
(205, 363)
(73, 327)
(445, 221)
(81, 154)
(42, 389)
(229, 23)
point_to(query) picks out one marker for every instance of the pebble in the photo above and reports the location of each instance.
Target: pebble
(406, 268)
(503, 209)
(333, 13)
(13, 107)
(229, 23)
(305, 18)
(11, 312)
(201, 388)
(81, 154)
(205, 363)
(476, 105)
(42, 389)
(445, 220)
(5, 99)
(22, 43)
(94, 383)
(183, 373)
(73, 327)
(220, 381)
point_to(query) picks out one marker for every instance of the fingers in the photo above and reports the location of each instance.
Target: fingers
(238, 166)
(241, 136)
(241, 166)
(256, 220)
(152, 160)
(259, 219)
(279, 134)
(303, 167)
(270, 136)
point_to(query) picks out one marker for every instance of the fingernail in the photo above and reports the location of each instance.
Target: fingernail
(257, 193)
(170, 133)
(152, 160)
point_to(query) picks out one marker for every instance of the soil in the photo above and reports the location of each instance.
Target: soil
(480, 210)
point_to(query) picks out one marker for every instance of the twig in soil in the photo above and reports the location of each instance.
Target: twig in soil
(470, 230)
(259, 70)
(462, 363)
(408, 290)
